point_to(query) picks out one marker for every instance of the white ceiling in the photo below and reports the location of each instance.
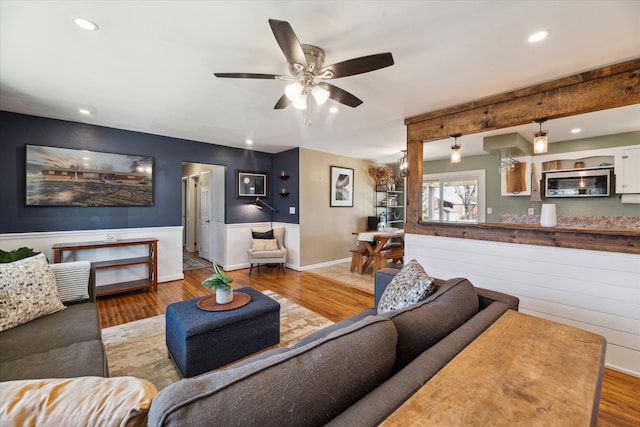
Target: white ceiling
(150, 66)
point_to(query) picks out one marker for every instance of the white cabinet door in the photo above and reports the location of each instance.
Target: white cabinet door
(631, 171)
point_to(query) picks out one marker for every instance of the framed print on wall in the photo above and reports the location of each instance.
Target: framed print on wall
(68, 177)
(252, 184)
(341, 183)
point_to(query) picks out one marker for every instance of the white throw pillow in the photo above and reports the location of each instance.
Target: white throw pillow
(265, 244)
(410, 286)
(72, 280)
(27, 291)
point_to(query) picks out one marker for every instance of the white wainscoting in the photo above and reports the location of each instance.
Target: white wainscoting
(591, 290)
(169, 249)
(238, 241)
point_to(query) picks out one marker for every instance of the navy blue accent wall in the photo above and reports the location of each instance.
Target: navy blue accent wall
(288, 161)
(18, 130)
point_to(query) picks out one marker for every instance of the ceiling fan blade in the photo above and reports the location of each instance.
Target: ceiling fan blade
(364, 64)
(251, 76)
(288, 42)
(341, 95)
(283, 102)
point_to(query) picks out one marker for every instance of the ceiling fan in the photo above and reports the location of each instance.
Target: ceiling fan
(306, 65)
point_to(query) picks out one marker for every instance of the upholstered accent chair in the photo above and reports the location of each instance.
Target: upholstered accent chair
(267, 251)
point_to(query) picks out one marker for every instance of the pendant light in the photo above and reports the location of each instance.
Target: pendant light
(456, 156)
(540, 139)
(403, 164)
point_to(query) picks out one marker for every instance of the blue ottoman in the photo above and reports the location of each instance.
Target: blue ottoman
(200, 341)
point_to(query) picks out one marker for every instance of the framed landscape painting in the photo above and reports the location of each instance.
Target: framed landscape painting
(341, 182)
(68, 177)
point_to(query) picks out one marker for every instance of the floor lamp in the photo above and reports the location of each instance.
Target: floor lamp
(257, 204)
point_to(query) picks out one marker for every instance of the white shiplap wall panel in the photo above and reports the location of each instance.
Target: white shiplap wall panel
(621, 330)
(592, 290)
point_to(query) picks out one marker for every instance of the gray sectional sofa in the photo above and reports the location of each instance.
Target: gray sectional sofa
(353, 373)
(65, 344)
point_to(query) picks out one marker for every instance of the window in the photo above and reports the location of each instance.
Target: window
(454, 196)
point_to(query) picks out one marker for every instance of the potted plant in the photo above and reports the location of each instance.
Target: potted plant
(220, 281)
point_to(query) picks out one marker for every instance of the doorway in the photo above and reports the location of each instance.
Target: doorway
(203, 213)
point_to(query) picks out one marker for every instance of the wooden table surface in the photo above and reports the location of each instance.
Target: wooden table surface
(523, 370)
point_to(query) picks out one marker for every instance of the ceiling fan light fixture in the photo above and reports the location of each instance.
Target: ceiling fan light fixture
(320, 95)
(293, 91)
(300, 103)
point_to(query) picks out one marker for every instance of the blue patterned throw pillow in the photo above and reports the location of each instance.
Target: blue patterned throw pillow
(410, 286)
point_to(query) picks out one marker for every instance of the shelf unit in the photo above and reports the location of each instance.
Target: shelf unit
(390, 203)
(150, 260)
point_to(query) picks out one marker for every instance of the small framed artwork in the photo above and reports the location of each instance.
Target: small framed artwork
(341, 182)
(252, 184)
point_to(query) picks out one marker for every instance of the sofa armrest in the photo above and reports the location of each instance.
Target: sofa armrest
(487, 296)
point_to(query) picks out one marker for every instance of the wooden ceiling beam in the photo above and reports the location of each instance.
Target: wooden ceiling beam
(600, 89)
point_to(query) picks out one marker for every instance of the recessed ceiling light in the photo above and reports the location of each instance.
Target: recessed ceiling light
(576, 130)
(538, 36)
(249, 142)
(84, 111)
(85, 24)
(333, 110)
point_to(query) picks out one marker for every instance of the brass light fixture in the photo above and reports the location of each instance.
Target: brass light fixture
(540, 140)
(403, 164)
(456, 156)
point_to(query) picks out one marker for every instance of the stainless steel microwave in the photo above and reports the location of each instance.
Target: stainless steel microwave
(579, 183)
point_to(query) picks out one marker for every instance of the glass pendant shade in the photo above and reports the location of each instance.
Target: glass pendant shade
(540, 142)
(455, 154)
(293, 91)
(300, 103)
(403, 164)
(320, 95)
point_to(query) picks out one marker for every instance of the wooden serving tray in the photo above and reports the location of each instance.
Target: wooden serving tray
(209, 303)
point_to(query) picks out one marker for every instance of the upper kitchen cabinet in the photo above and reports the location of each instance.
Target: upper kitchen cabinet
(628, 171)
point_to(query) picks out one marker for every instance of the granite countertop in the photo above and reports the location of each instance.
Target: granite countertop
(606, 222)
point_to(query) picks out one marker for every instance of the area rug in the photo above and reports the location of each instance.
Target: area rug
(138, 348)
(190, 262)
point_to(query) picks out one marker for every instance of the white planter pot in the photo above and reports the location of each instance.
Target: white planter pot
(224, 296)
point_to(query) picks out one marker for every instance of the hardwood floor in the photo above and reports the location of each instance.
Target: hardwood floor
(620, 397)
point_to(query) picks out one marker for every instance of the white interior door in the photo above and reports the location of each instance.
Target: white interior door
(205, 214)
(192, 213)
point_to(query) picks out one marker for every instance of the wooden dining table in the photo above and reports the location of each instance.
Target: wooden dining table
(380, 248)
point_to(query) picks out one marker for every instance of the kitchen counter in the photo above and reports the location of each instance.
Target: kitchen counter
(597, 239)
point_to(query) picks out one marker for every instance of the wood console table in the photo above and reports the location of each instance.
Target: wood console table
(523, 370)
(151, 260)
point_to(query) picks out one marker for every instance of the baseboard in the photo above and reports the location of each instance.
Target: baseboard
(324, 264)
(170, 278)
